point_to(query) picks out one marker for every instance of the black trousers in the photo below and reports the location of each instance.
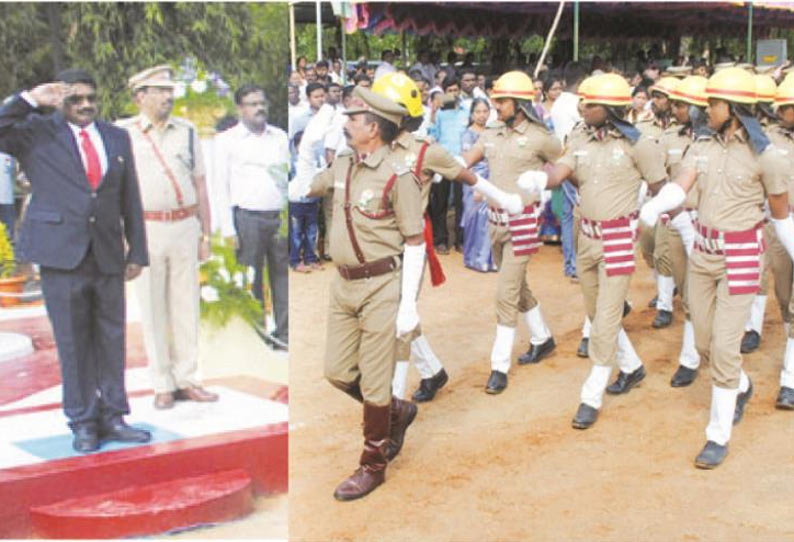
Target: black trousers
(86, 309)
(262, 243)
(439, 204)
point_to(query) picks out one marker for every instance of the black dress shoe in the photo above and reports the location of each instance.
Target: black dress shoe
(537, 352)
(585, 417)
(652, 302)
(429, 386)
(626, 381)
(497, 383)
(626, 308)
(86, 438)
(741, 401)
(683, 376)
(785, 399)
(583, 350)
(750, 342)
(116, 429)
(663, 319)
(711, 455)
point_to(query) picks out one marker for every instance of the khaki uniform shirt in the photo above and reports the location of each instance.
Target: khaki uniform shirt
(512, 151)
(173, 142)
(653, 127)
(407, 148)
(783, 139)
(611, 170)
(732, 181)
(378, 237)
(675, 142)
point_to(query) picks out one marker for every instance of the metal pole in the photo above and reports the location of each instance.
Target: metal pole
(576, 30)
(344, 52)
(405, 52)
(749, 32)
(319, 20)
(292, 34)
(548, 39)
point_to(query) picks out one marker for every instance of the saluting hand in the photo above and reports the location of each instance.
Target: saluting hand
(49, 94)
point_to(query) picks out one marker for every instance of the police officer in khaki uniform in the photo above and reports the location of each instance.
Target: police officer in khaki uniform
(777, 261)
(654, 243)
(377, 222)
(521, 143)
(429, 161)
(782, 136)
(176, 210)
(609, 167)
(688, 103)
(734, 169)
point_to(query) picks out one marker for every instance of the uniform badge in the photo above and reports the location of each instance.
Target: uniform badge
(522, 141)
(617, 153)
(366, 197)
(121, 159)
(410, 160)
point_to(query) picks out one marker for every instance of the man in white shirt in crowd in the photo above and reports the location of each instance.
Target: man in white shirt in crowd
(386, 64)
(295, 107)
(251, 168)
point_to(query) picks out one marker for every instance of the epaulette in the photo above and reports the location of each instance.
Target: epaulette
(494, 125)
(423, 138)
(346, 152)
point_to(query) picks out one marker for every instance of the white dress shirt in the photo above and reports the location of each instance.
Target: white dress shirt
(96, 140)
(250, 171)
(565, 114)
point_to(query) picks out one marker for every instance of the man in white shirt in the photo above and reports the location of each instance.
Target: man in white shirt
(386, 64)
(295, 108)
(251, 168)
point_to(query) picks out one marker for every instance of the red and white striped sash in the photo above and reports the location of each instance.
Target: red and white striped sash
(617, 236)
(524, 231)
(742, 251)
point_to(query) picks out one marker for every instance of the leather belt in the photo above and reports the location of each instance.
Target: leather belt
(171, 215)
(368, 270)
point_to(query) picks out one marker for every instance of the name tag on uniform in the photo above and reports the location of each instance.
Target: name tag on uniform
(339, 184)
(675, 152)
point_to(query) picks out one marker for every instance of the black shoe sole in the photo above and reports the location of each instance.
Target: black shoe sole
(540, 358)
(493, 391)
(580, 425)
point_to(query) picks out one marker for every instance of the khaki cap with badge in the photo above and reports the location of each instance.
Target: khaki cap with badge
(158, 76)
(370, 102)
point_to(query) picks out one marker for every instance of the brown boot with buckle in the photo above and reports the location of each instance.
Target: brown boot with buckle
(372, 471)
(164, 400)
(402, 415)
(195, 393)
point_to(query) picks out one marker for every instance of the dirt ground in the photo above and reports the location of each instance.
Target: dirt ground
(510, 467)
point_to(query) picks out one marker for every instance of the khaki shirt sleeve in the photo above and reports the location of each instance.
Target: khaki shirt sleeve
(322, 182)
(198, 157)
(480, 143)
(551, 150)
(775, 170)
(568, 158)
(438, 160)
(649, 158)
(406, 198)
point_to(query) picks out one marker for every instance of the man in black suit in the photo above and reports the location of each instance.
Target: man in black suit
(85, 203)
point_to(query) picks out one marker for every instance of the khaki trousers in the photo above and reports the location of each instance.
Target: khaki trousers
(513, 295)
(360, 344)
(717, 316)
(328, 209)
(678, 263)
(603, 299)
(778, 260)
(661, 250)
(168, 294)
(647, 241)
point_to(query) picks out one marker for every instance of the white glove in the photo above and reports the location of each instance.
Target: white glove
(510, 202)
(784, 228)
(643, 193)
(669, 197)
(413, 264)
(461, 161)
(682, 223)
(533, 182)
(437, 178)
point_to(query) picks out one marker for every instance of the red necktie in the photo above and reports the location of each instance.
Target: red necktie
(93, 168)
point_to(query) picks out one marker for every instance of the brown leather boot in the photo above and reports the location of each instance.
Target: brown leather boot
(372, 471)
(402, 414)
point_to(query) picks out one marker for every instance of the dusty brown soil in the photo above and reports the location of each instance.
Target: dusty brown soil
(510, 467)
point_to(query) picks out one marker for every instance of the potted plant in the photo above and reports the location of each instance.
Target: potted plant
(10, 281)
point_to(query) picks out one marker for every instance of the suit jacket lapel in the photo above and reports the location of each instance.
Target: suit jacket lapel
(110, 148)
(65, 137)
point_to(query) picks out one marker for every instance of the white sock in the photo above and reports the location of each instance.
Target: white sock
(755, 321)
(538, 330)
(689, 356)
(628, 360)
(664, 292)
(723, 404)
(502, 348)
(786, 327)
(426, 361)
(398, 382)
(594, 386)
(744, 381)
(787, 373)
(586, 327)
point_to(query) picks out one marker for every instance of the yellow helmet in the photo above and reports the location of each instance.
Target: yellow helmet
(584, 86)
(732, 85)
(765, 88)
(785, 92)
(401, 89)
(513, 84)
(691, 90)
(607, 89)
(665, 85)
